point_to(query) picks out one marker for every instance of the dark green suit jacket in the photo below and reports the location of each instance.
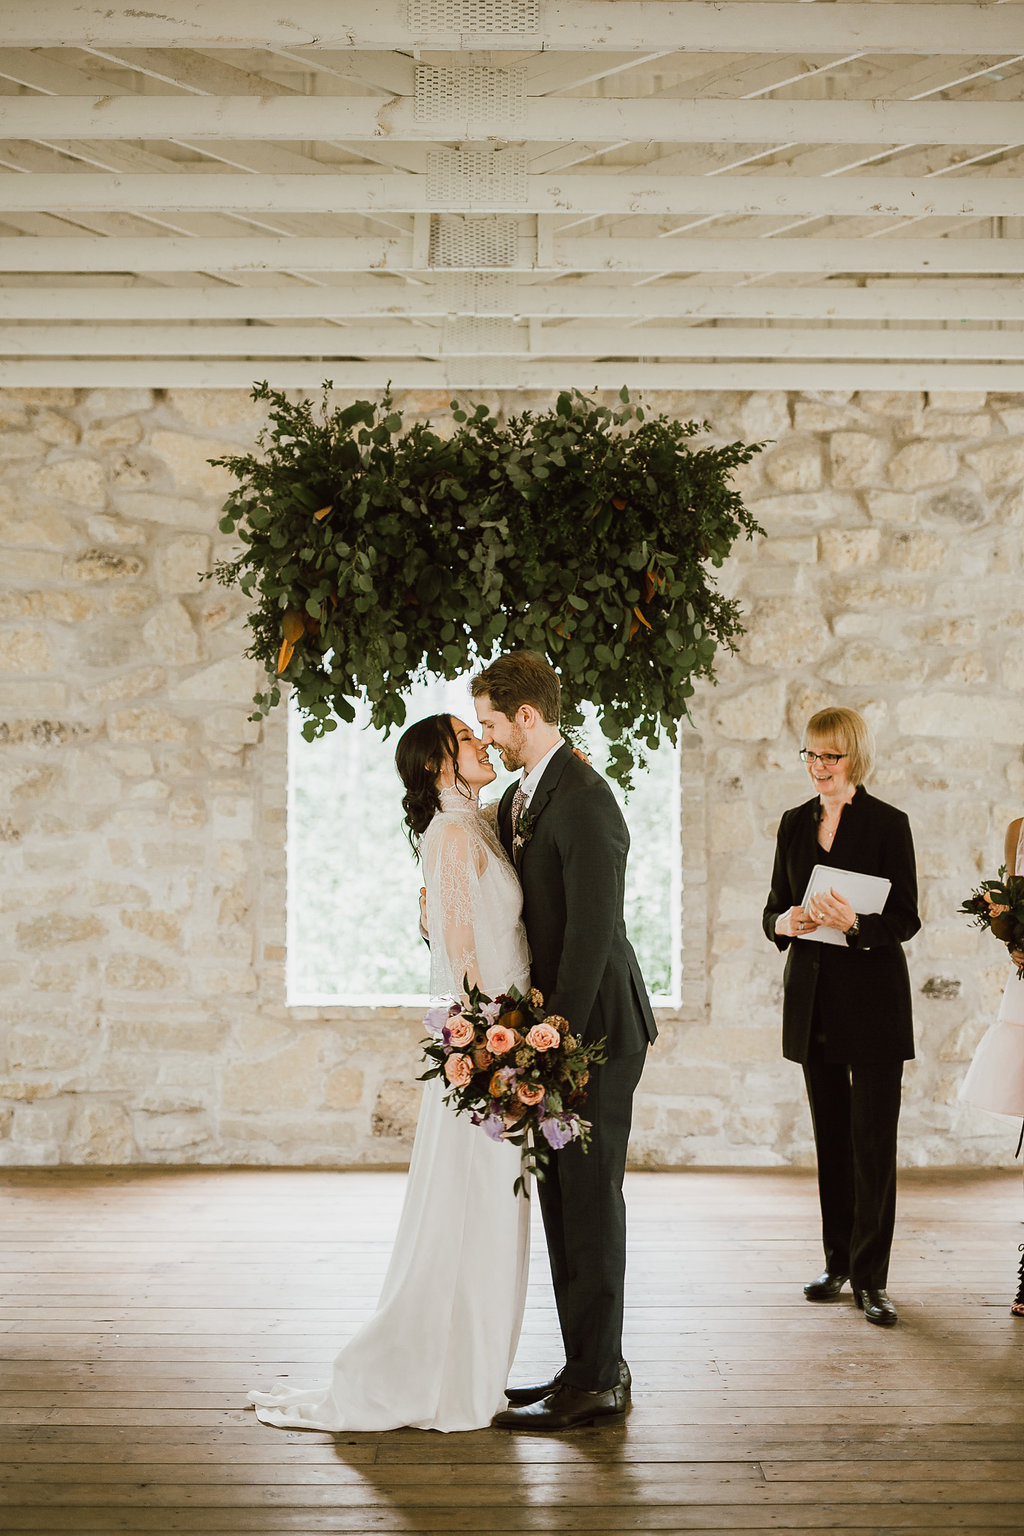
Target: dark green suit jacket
(572, 870)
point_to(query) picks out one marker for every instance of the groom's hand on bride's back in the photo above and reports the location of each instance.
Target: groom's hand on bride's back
(424, 930)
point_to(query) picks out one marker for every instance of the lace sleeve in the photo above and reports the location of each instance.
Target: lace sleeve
(453, 862)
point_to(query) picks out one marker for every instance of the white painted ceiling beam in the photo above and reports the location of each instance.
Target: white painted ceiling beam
(384, 298)
(910, 197)
(311, 118)
(587, 254)
(626, 25)
(455, 375)
(416, 341)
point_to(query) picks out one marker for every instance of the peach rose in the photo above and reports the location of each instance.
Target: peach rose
(499, 1084)
(529, 1093)
(460, 1030)
(458, 1070)
(543, 1037)
(481, 1058)
(501, 1039)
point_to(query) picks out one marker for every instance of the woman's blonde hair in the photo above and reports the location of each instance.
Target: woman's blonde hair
(848, 733)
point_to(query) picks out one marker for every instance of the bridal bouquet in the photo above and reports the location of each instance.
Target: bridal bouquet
(999, 906)
(517, 1071)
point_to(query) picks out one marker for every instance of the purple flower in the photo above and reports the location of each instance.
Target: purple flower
(494, 1126)
(435, 1020)
(490, 1011)
(559, 1130)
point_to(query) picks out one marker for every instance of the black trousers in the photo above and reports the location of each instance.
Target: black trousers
(855, 1112)
(585, 1227)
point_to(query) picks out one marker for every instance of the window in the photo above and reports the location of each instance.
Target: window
(353, 885)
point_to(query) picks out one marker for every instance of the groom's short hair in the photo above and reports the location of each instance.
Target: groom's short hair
(521, 677)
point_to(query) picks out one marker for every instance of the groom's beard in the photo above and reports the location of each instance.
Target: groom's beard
(512, 752)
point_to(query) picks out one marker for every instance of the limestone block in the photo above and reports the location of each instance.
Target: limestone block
(783, 633)
(129, 602)
(998, 465)
(122, 432)
(171, 636)
(26, 651)
(732, 828)
(101, 1133)
(856, 458)
(890, 402)
(55, 430)
(17, 447)
(102, 404)
(39, 1130)
(1012, 418)
(128, 473)
(170, 511)
(891, 507)
(128, 685)
(178, 564)
(862, 592)
(343, 1088)
(922, 464)
(987, 718)
(31, 566)
(230, 681)
(949, 424)
(396, 1110)
(842, 549)
(960, 504)
(55, 930)
(43, 1049)
(813, 416)
(746, 479)
(132, 725)
(161, 1134)
(140, 973)
(764, 416)
(187, 459)
(232, 727)
(861, 663)
(203, 1035)
(12, 412)
(163, 927)
(957, 399)
(219, 410)
(795, 466)
(81, 481)
(288, 1079)
(799, 551)
(969, 669)
(102, 565)
(754, 715)
(917, 551)
(103, 529)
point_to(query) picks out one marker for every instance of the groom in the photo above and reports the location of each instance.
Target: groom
(565, 833)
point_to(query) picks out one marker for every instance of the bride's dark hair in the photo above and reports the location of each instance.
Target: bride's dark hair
(420, 756)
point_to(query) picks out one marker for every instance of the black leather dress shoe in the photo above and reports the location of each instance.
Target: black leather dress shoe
(564, 1408)
(519, 1395)
(877, 1307)
(826, 1287)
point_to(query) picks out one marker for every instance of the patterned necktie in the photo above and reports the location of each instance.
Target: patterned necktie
(518, 805)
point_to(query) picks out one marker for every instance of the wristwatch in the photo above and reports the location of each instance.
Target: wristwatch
(854, 928)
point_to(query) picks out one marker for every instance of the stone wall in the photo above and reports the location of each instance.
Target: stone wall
(142, 814)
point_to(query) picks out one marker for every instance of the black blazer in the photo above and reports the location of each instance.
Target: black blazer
(572, 870)
(857, 993)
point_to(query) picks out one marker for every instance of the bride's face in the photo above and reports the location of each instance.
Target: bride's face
(473, 763)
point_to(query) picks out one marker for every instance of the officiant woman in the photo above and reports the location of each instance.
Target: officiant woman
(846, 1014)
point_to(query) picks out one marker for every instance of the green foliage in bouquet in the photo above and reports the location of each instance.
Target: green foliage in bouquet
(998, 905)
(376, 553)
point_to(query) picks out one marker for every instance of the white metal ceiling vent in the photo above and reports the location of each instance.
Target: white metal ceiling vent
(461, 242)
(469, 177)
(479, 293)
(471, 336)
(495, 17)
(485, 97)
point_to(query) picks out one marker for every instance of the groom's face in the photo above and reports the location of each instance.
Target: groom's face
(497, 730)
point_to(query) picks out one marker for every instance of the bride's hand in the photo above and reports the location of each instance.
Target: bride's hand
(1017, 956)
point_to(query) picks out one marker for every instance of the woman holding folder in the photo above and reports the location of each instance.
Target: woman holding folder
(846, 1011)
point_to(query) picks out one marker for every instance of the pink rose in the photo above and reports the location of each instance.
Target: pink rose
(460, 1031)
(529, 1093)
(500, 1039)
(458, 1070)
(996, 910)
(543, 1037)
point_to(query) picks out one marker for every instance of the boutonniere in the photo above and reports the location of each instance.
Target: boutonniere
(524, 830)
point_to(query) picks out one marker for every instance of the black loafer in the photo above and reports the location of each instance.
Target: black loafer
(826, 1287)
(520, 1395)
(877, 1307)
(565, 1408)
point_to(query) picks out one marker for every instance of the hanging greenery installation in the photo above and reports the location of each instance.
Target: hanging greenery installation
(375, 553)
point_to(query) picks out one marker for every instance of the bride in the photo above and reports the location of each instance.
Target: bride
(437, 1352)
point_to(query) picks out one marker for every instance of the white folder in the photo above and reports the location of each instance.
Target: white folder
(865, 893)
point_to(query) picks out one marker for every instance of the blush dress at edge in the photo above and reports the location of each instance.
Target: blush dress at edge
(995, 1077)
(437, 1352)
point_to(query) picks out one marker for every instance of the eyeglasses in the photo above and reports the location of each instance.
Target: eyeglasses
(828, 758)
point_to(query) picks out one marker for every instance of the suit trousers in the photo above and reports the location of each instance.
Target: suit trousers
(585, 1226)
(855, 1112)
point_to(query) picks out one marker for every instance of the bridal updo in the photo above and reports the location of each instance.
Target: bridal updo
(420, 757)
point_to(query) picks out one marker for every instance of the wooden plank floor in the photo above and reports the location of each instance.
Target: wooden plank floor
(139, 1306)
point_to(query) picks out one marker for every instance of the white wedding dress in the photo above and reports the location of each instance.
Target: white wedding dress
(437, 1352)
(995, 1077)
